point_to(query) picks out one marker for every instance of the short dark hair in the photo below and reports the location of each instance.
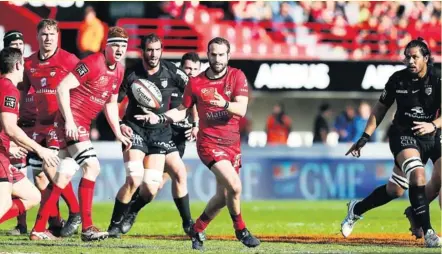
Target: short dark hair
(47, 23)
(219, 40)
(324, 107)
(149, 39)
(192, 56)
(8, 58)
(423, 48)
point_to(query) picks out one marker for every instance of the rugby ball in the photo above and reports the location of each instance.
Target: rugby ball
(147, 93)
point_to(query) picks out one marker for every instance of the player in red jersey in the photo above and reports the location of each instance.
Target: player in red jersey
(18, 194)
(92, 86)
(26, 122)
(221, 96)
(43, 72)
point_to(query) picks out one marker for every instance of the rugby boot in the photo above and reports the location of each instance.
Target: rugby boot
(38, 236)
(18, 230)
(432, 240)
(247, 238)
(414, 228)
(71, 226)
(350, 220)
(128, 222)
(92, 233)
(197, 238)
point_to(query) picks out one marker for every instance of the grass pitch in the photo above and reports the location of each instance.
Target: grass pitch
(290, 226)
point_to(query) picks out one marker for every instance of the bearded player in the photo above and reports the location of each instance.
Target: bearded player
(81, 95)
(221, 96)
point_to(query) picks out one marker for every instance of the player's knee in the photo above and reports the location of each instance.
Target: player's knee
(67, 168)
(33, 199)
(5, 205)
(91, 166)
(152, 180)
(134, 169)
(235, 187)
(395, 190)
(132, 183)
(413, 169)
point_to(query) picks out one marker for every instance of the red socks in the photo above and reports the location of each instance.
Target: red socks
(16, 209)
(86, 195)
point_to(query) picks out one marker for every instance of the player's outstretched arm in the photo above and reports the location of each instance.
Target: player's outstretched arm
(111, 113)
(171, 116)
(63, 96)
(378, 113)
(175, 115)
(18, 136)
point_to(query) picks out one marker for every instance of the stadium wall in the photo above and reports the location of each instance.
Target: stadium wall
(314, 173)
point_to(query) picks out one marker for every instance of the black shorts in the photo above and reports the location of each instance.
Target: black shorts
(152, 141)
(179, 139)
(429, 146)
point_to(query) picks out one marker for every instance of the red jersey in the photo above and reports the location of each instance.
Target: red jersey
(97, 84)
(44, 76)
(217, 125)
(9, 100)
(28, 111)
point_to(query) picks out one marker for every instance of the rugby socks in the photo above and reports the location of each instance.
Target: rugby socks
(16, 209)
(86, 195)
(419, 203)
(71, 200)
(120, 209)
(201, 223)
(21, 220)
(183, 208)
(378, 197)
(238, 222)
(139, 203)
(51, 197)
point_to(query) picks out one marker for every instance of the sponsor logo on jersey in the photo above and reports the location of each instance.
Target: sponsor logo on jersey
(428, 90)
(418, 113)
(46, 91)
(52, 73)
(164, 83)
(10, 102)
(82, 70)
(43, 82)
(218, 115)
(402, 91)
(407, 141)
(218, 153)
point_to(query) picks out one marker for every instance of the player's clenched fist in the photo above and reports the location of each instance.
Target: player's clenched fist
(49, 156)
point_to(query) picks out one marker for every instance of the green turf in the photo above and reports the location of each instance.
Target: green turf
(262, 217)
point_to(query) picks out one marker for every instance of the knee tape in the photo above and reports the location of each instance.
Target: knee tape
(134, 168)
(399, 180)
(87, 154)
(410, 164)
(68, 166)
(153, 177)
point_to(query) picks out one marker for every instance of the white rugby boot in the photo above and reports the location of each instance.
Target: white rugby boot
(350, 220)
